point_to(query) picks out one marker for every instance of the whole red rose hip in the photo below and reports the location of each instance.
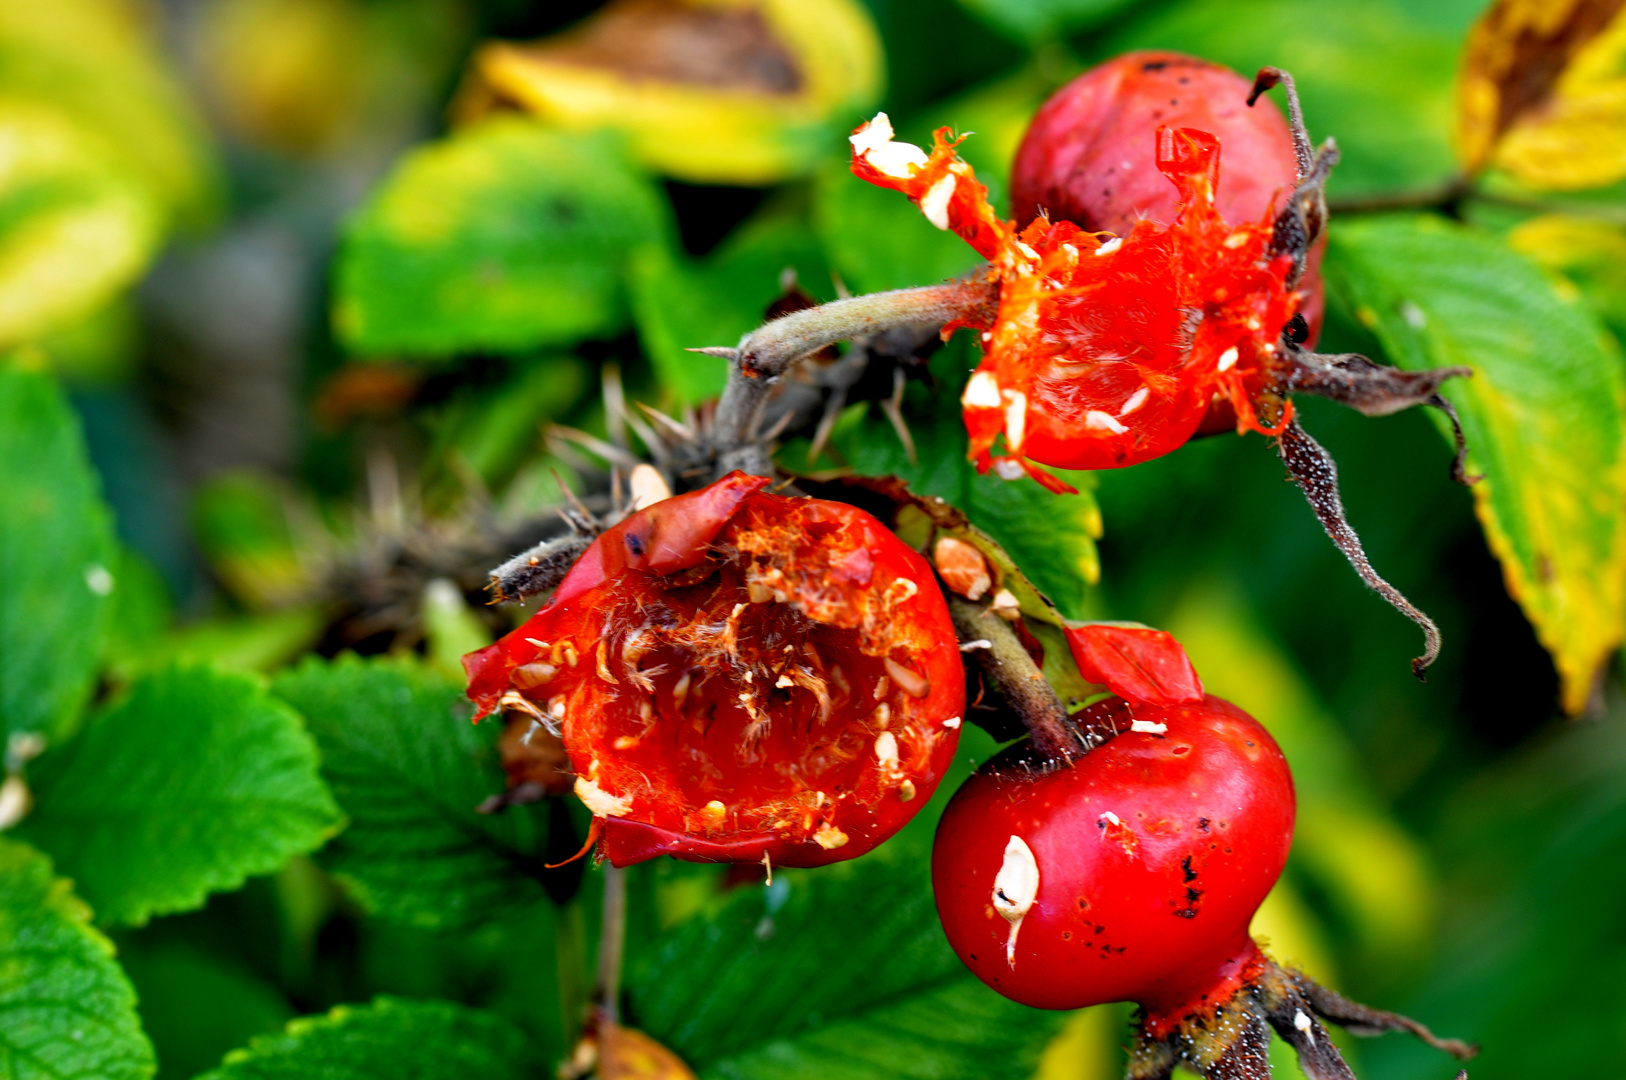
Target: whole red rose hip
(1129, 874)
(1087, 159)
(740, 675)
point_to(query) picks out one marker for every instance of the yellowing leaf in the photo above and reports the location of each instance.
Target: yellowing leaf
(1587, 252)
(1543, 92)
(94, 63)
(713, 91)
(1545, 416)
(1373, 873)
(74, 228)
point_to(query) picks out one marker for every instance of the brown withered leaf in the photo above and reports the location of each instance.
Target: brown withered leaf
(1542, 93)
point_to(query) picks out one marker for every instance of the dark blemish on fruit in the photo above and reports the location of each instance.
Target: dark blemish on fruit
(973, 956)
(1249, 742)
(1184, 79)
(1185, 864)
(635, 545)
(1157, 114)
(1186, 913)
(1202, 824)
(1154, 65)
(1192, 895)
(1100, 929)
(1067, 935)
(1180, 751)
(1083, 904)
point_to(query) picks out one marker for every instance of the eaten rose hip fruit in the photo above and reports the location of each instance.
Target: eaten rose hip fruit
(1128, 875)
(1087, 156)
(740, 675)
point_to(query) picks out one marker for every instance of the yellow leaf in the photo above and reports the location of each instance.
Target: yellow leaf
(75, 228)
(93, 61)
(1543, 93)
(712, 91)
(1585, 251)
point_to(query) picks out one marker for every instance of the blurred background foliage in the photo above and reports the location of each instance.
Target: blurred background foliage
(311, 308)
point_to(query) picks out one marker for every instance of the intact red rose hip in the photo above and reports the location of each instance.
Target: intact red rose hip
(1129, 874)
(739, 674)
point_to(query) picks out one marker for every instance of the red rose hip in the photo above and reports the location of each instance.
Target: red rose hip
(1129, 874)
(740, 675)
(1087, 157)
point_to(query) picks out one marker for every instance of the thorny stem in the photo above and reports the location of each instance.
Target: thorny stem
(612, 943)
(1007, 665)
(767, 352)
(1312, 468)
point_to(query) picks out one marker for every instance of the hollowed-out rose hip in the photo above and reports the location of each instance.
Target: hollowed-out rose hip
(740, 675)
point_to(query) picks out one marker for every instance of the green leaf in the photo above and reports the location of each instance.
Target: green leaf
(681, 305)
(1037, 21)
(197, 1005)
(390, 1039)
(1543, 415)
(749, 988)
(506, 236)
(408, 769)
(1372, 75)
(56, 559)
(190, 784)
(69, 1010)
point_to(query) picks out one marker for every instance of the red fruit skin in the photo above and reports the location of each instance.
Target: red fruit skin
(1087, 157)
(1153, 908)
(683, 592)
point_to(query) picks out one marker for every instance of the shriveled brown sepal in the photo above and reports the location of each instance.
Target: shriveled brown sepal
(1232, 1040)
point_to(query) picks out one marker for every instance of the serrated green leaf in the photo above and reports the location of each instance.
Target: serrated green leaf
(1394, 130)
(748, 988)
(408, 769)
(390, 1039)
(1545, 416)
(506, 236)
(194, 781)
(56, 559)
(69, 1011)
(680, 305)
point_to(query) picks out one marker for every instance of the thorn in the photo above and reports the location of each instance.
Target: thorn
(677, 427)
(827, 423)
(891, 407)
(723, 351)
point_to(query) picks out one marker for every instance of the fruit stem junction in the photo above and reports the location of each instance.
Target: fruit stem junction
(1005, 663)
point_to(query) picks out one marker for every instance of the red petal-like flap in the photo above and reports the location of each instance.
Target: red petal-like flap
(1138, 664)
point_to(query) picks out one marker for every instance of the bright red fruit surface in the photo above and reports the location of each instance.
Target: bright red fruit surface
(1130, 874)
(1105, 351)
(1087, 159)
(740, 674)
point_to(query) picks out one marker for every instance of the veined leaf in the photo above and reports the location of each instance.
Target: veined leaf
(1543, 415)
(57, 559)
(409, 769)
(1590, 254)
(69, 1010)
(1542, 92)
(506, 236)
(190, 784)
(747, 988)
(386, 1040)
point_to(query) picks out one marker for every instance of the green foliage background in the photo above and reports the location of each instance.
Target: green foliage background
(285, 347)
